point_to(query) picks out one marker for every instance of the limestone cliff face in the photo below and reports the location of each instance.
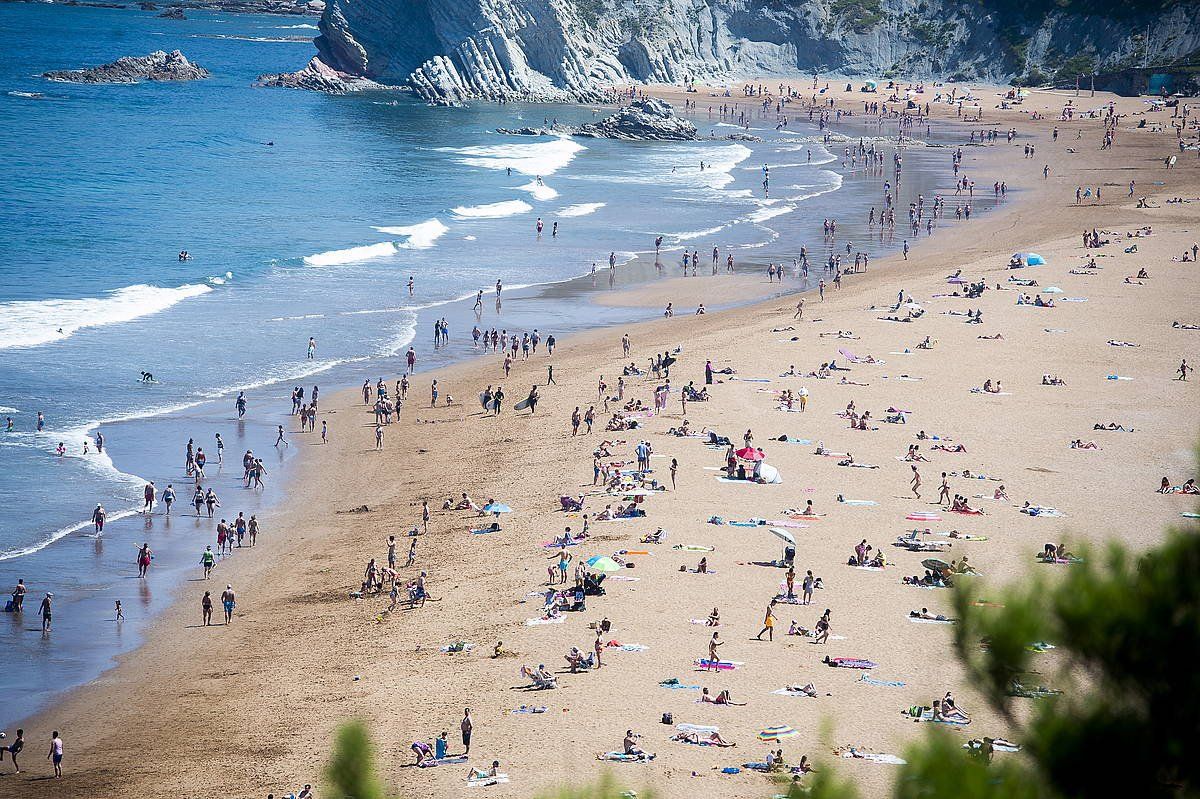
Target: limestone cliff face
(450, 50)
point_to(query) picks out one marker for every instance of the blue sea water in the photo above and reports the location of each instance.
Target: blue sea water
(305, 215)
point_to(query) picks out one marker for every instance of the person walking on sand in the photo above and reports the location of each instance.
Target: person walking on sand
(799, 310)
(279, 439)
(713, 644)
(378, 437)
(99, 515)
(208, 560)
(143, 560)
(206, 608)
(916, 482)
(56, 754)
(229, 601)
(467, 727)
(944, 491)
(768, 623)
(1183, 370)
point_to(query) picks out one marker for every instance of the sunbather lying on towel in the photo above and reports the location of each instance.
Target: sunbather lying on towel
(707, 739)
(924, 613)
(722, 698)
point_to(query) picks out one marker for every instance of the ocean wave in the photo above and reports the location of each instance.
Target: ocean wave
(537, 158)
(27, 95)
(540, 191)
(582, 209)
(6, 409)
(492, 210)
(769, 212)
(304, 25)
(420, 236)
(688, 235)
(351, 255)
(30, 323)
(679, 166)
(50, 538)
(280, 39)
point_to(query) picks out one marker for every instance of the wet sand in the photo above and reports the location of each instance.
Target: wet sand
(250, 708)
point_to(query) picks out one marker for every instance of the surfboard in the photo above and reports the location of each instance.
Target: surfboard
(522, 405)
(486, 403)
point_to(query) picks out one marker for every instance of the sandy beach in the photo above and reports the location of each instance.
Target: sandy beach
(250, 708)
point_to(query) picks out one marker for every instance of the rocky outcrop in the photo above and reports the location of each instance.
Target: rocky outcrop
(453, 50)
(174, 12)
(641, 120)
(318, 77)
(156, 66)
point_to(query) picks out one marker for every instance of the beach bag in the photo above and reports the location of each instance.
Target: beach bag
(668, 718)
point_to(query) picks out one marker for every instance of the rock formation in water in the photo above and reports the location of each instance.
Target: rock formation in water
(174, 12)
(641, 120)
(452, 50)
(156, 66)
(319, 77)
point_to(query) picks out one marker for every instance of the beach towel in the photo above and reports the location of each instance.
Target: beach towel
(458, 646)
(874, 757)
(529, 709)
(1073, 299)
(792, 524)
(694, 548)
(967, 512)
(483, 782)
(857, 502)
(633, 647)
(621, 757)
(1117, 377)
(998, 744)
(535, 622)
(793, 440)
(431, 762)
(789, 692)
(918, 620)
(722, 665)
(870, 568)
(679, 687)
(1189, 515)
(742, 524)
(1035, 510)
(869, 680)
(923, 516)
(484, 530)
(850, 663)
(697, 728)
(788, 600)
(927, 716)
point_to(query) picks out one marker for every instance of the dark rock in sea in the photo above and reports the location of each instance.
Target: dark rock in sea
(740, 137)
(642, 120)
(157, 66)
(317, 77)
(145, 6)
(174, 12)
(531, 131)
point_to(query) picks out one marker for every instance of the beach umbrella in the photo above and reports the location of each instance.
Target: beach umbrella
(935, 564)
(750, 454)
(603, 563)
(496, 508)
(787, 537)
(776, 733)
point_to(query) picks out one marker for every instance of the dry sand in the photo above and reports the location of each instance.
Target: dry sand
(250, 708)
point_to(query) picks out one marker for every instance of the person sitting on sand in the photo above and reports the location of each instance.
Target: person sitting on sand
(1189, 487)
(479, 774)
(948, 713)
(924, 613)
(723, 698)
(577, 661)
(1164, 487)
(714, 619)
(1000, 493)
(1080, 444)
(702, 566)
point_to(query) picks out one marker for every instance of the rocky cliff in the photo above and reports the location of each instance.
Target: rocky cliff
(450, 50)
(158, 66)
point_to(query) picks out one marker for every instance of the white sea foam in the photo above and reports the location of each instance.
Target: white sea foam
(50, 538)
(221, 280)
(536, 158)
(582, 209)
(305, 26)
(6, 409)
(540, 191)
(492, 210)
(420, 236)
(679, 166)
(351, 255)
(30, 323)
(688, 235)
(770, 212)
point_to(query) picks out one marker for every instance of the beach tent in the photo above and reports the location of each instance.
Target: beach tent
(776, 733)
(603, 563)
(769, 474)
(870, 86)
(1029, 258)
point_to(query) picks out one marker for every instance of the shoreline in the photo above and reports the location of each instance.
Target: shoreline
(170, 564)
(578, 351)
